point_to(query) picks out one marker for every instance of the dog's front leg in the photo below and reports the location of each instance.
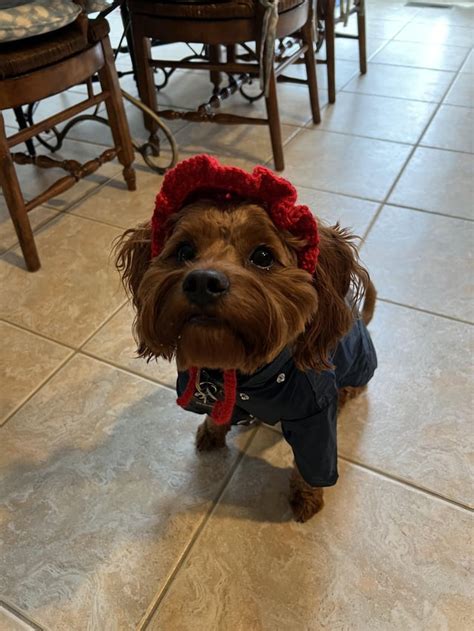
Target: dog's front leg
(305, 500)
(211, 436)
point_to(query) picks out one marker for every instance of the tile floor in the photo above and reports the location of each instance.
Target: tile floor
(109, 519)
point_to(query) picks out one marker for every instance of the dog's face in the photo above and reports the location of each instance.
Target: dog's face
(226, 291)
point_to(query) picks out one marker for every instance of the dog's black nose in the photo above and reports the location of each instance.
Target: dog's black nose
(203, 286)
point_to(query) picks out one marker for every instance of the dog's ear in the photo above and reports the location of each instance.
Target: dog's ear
(132, 257)
(340, 282)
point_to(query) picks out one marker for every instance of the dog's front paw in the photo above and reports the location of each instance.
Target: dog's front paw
(305, 500)
(209, 437)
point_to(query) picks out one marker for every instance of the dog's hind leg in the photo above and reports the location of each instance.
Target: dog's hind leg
(348, 393)
(210, 436)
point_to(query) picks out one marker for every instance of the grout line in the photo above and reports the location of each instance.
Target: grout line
(128, 371)
(37, 388)
(317, 128)
(420, 309)
(161, 594)
(386, 63)
(448, 149)
(22, 327)
(407, 483)
(399, 98)
(12, 609)
(410, 155)
(393, 478)
(74, 353)
(429, 212)
(102, 325)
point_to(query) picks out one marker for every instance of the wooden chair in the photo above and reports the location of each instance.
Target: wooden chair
(36, 68)
(325, 13)
(222, 27)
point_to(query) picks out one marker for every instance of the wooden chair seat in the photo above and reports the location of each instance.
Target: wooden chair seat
(36, 68)
(208, 10)
(26, 55)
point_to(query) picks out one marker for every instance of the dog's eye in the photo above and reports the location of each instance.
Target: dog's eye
(185, 252)
(262, 257)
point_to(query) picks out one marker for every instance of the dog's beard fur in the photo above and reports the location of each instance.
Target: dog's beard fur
(264, 310)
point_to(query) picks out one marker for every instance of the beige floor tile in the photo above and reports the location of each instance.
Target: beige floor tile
(402, 82)
(436, 33)
(349, 48)
(345, 70)
(293, 104)
(440, 181)
(114, 343)
(101, 491)
(75, 289)
(27, 360)
(422, 55)
(101, 134)
(239, 145)
(11, 622)
(414, 421)
(422, 260)
(114, 204)
(391, 11)
(458, 15)
(378, 117)
(468, 66)
(379, 556)
(461, 92)
(374, 28)
(34, 180)
(38, 217)
(361, 167)
(451, 128)
(350, 212)
(186, 89)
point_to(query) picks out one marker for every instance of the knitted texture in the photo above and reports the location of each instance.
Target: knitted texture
(204, 176)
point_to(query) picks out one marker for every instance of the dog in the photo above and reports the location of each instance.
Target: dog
(258, 304)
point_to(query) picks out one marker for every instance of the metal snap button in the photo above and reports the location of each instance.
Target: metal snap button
(281, 377)
(244, 397)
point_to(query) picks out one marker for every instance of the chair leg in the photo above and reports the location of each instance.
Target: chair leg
(116, 115)
(274, 123)
(330, 37)
(307, 34)
(362, 37)
(215, 56)
(144, 74)
(16, 203)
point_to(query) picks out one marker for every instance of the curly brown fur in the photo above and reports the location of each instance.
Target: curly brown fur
(264, 310)
(210, 436)
(305, 500)
(338, 274)
(347, 394)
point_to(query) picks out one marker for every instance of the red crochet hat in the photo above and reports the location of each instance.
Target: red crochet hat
(203, 176)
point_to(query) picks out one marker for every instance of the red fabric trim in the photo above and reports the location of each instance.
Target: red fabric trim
(204, 175)
(187, 395)
(222, 411)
